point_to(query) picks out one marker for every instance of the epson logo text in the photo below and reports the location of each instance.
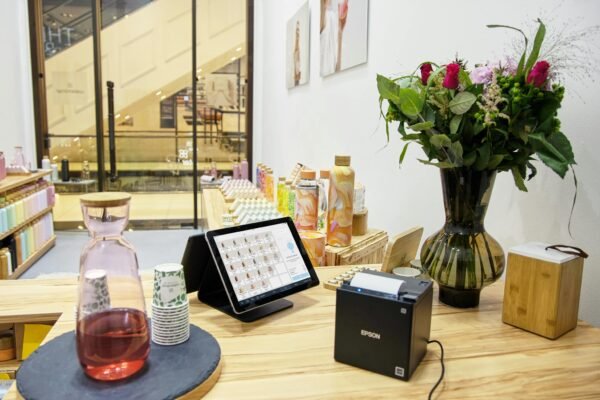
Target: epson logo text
(372, 335)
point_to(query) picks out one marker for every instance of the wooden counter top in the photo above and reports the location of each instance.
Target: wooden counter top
(290, 354)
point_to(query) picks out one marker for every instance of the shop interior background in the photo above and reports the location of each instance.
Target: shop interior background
(339, 114)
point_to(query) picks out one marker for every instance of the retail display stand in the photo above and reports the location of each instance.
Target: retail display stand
(365, 249)
(13, 182)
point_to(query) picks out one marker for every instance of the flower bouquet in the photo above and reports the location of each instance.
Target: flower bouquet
(499, 116)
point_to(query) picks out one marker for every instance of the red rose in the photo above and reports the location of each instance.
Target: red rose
(425, 72)
(538, 74)
(451, 78)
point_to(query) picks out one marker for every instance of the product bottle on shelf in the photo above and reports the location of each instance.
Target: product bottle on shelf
(64, 170)
(244, 169)
(340, 210)
(113, 340)
(307, 201)
(286, 199)
(257, 175)
(46, 163)
(236, 170)
(323, 194)
(19, 160)
(281, 200)
(269, 184)
(2, 166)
(292, 201)
(213, 170)
(85, 170)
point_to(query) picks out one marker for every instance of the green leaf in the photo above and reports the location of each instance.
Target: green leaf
(464, 78)
(560, 141)
(387, 89)
(412, 136)
(462, 102)
(552, 156)
(518, 179)
(537, 45)
(456, 153)
(421, 126)
(440, 140)
(555, 165)
(495, 160)
(401, 129)
(455, 124)
(403, 153)
(544, 146)
(410, 102)
(429, 113)
(441, 164)
(483, 158)
(469, 159)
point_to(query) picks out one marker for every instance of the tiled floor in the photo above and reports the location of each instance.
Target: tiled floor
(152, 248)
(144, 207)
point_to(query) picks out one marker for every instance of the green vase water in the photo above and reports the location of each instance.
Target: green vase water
(462, 257)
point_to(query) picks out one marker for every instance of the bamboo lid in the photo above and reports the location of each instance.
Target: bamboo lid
(342, 161)
(324, 174)
(308, 174)
(105, 199)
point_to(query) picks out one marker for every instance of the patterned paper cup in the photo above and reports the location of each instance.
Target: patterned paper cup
(94, 295)
(169, 286)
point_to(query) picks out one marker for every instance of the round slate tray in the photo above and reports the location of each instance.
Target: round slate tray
(53, 371)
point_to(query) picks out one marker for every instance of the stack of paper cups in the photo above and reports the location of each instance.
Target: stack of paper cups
(314, 243)
(170, 306)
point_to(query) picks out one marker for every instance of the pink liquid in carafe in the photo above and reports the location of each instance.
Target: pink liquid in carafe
(113, 344)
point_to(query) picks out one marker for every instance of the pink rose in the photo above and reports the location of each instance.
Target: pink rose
(539, 73)
(425, 72)
(451, 78)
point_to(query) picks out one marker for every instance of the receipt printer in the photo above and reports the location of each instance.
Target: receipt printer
(382, 323)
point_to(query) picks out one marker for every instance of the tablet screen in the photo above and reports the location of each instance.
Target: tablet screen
(261, 261)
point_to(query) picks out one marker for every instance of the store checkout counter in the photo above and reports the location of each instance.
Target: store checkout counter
(290, 354)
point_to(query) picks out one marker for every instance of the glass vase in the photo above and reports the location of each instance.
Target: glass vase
(113, 340)
(462, 257)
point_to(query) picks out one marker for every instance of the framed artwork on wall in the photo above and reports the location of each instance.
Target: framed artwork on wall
(344, 27)
(298, 48)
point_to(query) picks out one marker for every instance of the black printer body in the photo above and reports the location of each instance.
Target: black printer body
(382, 332)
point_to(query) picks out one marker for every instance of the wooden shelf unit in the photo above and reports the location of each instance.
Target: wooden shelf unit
(27, 221)
(33, 258)
(14, 181)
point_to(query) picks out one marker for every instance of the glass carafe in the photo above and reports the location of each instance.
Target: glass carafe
(112, 327)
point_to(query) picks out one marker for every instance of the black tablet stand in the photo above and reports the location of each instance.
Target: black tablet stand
(202, 275)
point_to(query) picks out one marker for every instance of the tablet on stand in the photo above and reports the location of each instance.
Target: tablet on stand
(246, 271)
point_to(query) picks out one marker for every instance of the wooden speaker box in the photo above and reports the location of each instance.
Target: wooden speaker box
(541, 294)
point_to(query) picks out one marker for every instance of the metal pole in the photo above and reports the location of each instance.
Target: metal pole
(194, 117)
(97, 31)
(112, 147)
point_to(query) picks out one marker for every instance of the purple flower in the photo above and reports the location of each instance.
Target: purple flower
(482, 75)
(509, 67)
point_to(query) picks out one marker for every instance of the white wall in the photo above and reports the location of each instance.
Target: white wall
(339, 114)
(16, 104)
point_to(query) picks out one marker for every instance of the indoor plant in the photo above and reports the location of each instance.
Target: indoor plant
(472, 124)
